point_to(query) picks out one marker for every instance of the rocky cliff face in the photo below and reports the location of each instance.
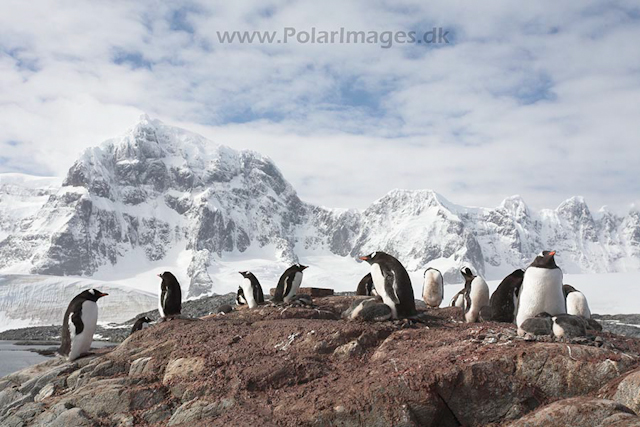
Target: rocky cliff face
(159, 189)
(305, 366)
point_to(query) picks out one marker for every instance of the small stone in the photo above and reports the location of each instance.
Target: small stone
(138, 366)
(46, 391)
(350, 349)
(339, 409)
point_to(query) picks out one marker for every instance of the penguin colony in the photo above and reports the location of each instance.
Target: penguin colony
(535, 299)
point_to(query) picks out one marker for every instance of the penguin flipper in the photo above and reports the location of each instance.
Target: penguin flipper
(389, 281)
(288, 283)
(77, 322)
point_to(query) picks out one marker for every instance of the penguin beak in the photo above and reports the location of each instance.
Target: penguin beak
(304, 267)
(552, 253)
(102, 294)
(364, 258)
(159, 275)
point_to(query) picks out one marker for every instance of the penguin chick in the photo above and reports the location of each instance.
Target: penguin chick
(458, 299)
(576, 302)
(432, 287)
(569, 326)
(476, 295)
(369, 309)
(539, 325)
(141, 323)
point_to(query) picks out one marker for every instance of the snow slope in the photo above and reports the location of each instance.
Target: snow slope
(32, 300)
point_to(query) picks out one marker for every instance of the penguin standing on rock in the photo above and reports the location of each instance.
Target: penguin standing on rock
(504, 300)
(541, 289)
(576, 302)
(392, 283)
(170, 303)
(79, 324)
(365, 287)
(433, 287)
(289, 283)
(141, 323)
(476, 295)
(250, 291)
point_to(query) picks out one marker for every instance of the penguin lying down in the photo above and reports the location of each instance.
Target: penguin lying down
(369, 310)
(564, 326)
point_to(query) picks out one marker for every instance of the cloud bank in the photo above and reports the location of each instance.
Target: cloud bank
(533, 99)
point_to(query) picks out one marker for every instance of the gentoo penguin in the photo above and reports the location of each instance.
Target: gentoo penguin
(365, 287)
(503, 300)
(289, 283)
(476, 295)
(576, 302)
(170, 303)
(569, 326)
(250, 291)
(458, 299)
(368, 309)
(392, 283)
(141, 323)
(541, 324)
(79, 324)
(432, 287)
(541, 289)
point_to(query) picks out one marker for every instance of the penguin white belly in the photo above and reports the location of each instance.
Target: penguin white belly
(577, 305)
(81, 343)
(541, 291)
(378, 283)
(161, 303)
(558, 331)
(479, 295)
(432, 289)
(297, 279)
(248, 293)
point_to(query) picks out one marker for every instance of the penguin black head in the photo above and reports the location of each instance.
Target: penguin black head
(372, 257)
(567, 289)
(168, 277)
(545, 260)
(300, 267)
(467, 274)
(145, 319)
(92, 295)
(245, 274)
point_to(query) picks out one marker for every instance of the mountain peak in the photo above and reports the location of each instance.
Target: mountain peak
(516, 205)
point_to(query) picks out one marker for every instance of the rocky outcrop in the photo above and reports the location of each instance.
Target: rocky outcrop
(305, 366)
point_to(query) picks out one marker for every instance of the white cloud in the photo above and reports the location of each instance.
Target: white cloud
(538, 99)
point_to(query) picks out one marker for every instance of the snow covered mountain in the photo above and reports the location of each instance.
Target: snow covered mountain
(161, 197)
(21, 196)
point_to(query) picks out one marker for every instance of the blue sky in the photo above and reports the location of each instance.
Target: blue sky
(534, 99)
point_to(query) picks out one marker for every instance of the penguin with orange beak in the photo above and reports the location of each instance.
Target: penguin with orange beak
(392, 283)
(541, 289)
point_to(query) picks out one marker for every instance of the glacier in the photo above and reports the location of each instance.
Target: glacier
(162, 198)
